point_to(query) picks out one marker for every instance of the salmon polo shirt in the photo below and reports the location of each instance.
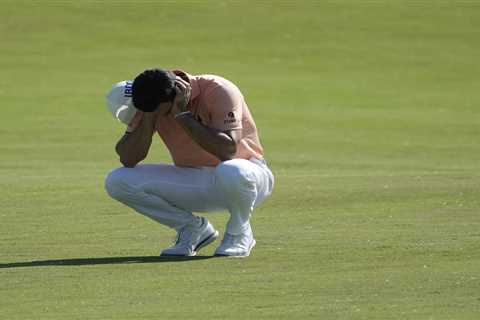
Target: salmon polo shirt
(216, 103)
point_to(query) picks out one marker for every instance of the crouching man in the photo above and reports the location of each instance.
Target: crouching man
(212, 138)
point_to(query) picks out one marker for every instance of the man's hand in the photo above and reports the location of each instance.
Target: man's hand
(184, 91)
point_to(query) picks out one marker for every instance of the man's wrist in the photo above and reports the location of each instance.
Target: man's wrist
(148, 121)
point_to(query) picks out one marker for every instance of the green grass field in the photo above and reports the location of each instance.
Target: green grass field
(369, 114)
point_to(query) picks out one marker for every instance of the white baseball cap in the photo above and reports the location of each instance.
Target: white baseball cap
(119, 101)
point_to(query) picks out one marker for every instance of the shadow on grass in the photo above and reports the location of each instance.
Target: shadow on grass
(105, 260)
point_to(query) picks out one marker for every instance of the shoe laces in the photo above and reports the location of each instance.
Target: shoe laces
(184, 237)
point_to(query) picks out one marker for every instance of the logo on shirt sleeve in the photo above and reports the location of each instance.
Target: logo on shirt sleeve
(230, 118)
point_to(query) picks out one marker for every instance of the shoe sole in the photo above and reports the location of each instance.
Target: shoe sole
(254, 242)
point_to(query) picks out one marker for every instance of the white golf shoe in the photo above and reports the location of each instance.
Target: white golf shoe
(191, 239)
(236, 245)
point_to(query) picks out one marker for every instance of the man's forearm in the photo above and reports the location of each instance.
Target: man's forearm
(133, 147)
(214, 141)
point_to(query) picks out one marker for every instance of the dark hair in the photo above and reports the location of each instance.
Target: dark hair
(152, 87)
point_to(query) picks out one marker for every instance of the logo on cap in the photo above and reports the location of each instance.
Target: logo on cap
(128, 89)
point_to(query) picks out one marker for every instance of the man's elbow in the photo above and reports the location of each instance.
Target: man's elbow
(130, 162)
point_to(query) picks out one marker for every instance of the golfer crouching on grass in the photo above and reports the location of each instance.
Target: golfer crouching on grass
(218, 160)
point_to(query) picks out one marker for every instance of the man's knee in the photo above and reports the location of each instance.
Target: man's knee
(115, 183)
(234, 174)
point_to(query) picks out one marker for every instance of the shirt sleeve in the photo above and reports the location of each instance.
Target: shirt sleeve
(135, 121)
(225, 108)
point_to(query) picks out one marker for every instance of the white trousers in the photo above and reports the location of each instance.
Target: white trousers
(169, 194)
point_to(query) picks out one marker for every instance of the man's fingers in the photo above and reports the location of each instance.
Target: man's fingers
(184, 88)
(188, 92)
(180, 80)
(180, 85)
